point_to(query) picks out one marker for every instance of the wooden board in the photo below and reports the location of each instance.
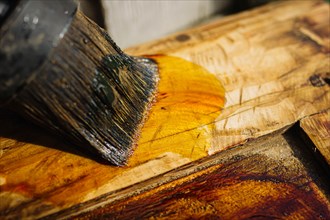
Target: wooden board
(263, 179)
(265, 59)
(317, 127)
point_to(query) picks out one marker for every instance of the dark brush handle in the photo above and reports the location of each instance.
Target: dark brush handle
(29, 29)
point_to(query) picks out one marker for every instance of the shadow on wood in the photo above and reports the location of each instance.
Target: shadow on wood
(16, 131)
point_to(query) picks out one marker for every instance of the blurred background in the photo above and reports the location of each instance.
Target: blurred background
(132, 22)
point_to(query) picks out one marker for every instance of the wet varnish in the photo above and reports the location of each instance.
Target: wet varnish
(181, 121)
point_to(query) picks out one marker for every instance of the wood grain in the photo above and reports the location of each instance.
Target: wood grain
(240, 49)
(264, 59)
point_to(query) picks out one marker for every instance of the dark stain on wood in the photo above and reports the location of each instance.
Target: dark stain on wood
(252, 183)
(226, 192)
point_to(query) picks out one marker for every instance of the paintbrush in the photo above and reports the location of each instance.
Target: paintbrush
(63, 72)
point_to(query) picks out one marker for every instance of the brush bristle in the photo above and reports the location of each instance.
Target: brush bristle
(91, 92)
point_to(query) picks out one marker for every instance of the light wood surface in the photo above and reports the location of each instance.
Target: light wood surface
(264, 59)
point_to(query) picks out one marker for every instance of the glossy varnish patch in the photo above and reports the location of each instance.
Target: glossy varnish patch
(181, 121)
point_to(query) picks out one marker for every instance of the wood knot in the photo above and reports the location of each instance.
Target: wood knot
(318, 81)
(182, 37)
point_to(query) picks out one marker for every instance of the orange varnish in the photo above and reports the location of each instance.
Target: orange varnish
(189, 100)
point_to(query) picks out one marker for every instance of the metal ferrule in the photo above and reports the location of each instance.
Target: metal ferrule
(29, 29)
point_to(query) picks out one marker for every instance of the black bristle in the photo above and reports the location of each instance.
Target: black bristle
(91, 92)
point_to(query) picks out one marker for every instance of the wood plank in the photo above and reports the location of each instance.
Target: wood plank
(317, 127)
(263, 179)
(263, 58)
(240, 49)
